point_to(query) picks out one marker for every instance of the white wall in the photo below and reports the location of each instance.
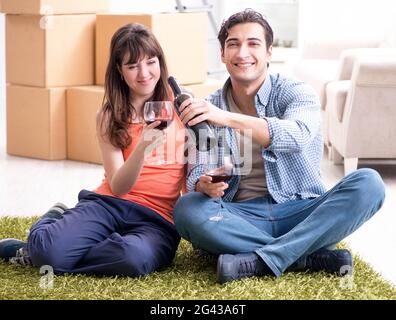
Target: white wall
(2, 50)
(282, 15)
(344, 20)
(2, 80)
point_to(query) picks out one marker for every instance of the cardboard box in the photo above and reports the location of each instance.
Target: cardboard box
(82, 105)
(54, 6)
(183, 37)
(52, 51)
(203, 90)
(36, 122)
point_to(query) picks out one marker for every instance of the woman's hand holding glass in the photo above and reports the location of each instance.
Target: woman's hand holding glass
(151, 138)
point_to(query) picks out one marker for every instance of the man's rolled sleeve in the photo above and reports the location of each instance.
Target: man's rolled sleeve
(195, 168)
(297, 126)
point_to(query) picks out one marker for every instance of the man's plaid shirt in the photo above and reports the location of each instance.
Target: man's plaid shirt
(292, 160)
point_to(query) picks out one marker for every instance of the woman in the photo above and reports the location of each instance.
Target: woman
(125, 226)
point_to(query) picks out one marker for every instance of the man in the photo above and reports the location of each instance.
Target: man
(279, 216)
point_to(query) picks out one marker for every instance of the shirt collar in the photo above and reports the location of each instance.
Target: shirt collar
(224, 93)
(262, 95)
(264, 92)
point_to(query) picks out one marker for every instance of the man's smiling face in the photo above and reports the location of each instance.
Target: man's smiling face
(245, 53)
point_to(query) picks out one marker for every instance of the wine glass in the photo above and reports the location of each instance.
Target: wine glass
(220, 170)
(158, 111)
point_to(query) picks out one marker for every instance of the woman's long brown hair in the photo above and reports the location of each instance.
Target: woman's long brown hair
(138, 42)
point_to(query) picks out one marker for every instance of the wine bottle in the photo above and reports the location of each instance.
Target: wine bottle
(204, 134)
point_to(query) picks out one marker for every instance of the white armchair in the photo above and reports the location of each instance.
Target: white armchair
(362, 111)
(320, 64)
(335, 65)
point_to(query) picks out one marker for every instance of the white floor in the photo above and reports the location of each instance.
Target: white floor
(375, 241)
(30, 186)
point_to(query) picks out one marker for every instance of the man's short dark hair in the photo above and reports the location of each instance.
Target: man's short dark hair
(246, 16)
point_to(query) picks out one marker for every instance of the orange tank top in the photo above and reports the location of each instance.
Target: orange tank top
(158, 185)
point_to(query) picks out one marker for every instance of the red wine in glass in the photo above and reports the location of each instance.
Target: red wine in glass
(219, 171)
(219, 178)
(220, 174)
(163, 125)
(158, 111)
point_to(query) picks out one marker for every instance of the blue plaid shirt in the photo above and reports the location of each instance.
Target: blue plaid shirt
(292, 160)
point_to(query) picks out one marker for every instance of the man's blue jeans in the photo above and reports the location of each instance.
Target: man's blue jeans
(281, 234)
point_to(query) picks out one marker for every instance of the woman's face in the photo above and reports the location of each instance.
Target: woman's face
(142, 76)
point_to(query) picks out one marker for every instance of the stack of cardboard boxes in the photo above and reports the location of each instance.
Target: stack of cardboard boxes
(56, 63)
(49, 47)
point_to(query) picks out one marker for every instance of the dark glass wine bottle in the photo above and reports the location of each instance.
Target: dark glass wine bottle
(208, 140)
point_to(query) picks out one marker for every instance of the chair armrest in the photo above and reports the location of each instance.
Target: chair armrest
(375, 71)
(337, 92)
(349, 56)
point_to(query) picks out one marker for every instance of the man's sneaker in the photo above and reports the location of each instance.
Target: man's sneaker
(22, 257)
(203, 254)
(236, 266)
(333, 261)
(9, 248)
(56, 211)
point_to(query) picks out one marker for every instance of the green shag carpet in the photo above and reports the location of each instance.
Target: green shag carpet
(190, 277)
